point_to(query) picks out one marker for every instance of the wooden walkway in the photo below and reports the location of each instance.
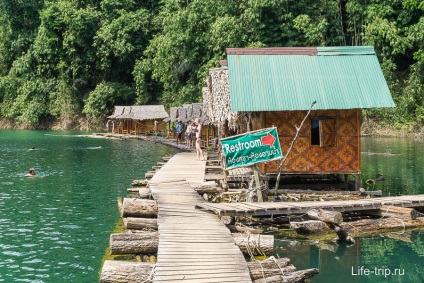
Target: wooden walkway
(286, 208)
(194, 246)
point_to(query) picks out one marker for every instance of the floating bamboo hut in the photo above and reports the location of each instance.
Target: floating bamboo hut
(264, 87)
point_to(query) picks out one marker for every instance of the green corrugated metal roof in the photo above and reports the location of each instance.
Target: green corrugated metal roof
(337, 78)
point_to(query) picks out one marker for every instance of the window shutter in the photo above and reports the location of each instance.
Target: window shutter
(327, 133)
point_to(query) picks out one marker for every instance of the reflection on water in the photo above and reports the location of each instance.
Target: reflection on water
(55, 227)
(385, 258)
(403, 170)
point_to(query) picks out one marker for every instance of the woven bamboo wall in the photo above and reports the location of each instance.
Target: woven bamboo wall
(304, 158)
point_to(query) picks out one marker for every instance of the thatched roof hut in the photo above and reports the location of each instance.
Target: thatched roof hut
(137, 119)
(139, 112)
(173, 114)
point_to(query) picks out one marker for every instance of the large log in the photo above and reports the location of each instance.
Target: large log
(257, 244)
(294, 277)
(133, 207)
(270, 267)
(115, 271)
(395, 211)
(141, 223)
(325, 215)
(375, 225)
(138, 243)
(310, 227)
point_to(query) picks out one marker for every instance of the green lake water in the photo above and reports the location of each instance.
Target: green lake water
(55, 227)
(378, 258)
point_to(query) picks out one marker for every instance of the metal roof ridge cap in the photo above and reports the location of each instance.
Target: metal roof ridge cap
(273, 51)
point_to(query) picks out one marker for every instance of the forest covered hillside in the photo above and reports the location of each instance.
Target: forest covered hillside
(68, 61)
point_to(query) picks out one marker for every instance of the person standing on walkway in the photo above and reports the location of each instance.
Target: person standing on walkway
(188, 135)
(179, 129)
(193, 135)
(199, 140)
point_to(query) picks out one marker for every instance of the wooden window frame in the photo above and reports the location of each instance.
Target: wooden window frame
(326, 131)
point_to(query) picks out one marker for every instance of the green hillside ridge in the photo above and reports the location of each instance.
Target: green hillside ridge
(65, 64)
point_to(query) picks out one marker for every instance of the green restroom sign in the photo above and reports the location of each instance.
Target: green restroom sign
(250, 148)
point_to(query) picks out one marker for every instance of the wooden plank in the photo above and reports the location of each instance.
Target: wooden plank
(192, 241)
(199, 270)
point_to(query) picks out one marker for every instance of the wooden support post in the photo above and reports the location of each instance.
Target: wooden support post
(257, 182)
(357, 181)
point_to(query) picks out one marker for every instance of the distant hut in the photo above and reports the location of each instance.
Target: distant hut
(342, 81)
(208, 129)
(136, 120)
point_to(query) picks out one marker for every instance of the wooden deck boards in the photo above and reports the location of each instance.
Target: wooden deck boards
(286, 208)
(194, 246)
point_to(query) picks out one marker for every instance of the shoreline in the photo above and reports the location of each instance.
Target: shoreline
(369, 128)
(161, 140)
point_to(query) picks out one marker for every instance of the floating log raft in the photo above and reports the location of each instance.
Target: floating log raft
(139, 243)
(141, 223)
(257, 244)
(133, 207)
(115, 271)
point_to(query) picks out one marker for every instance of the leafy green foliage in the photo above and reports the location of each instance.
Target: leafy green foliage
(105, 96)
(60, 59)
